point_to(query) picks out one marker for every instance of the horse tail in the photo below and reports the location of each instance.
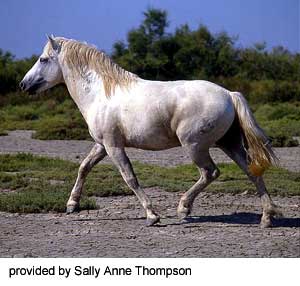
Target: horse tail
(260, 153)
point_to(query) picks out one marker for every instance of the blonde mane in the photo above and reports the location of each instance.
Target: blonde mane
(82, 57)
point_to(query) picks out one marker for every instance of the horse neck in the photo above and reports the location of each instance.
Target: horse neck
(86, 90)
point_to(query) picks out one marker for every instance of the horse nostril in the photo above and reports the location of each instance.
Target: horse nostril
(22, 85)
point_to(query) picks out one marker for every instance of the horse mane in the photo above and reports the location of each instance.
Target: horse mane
(83, 57)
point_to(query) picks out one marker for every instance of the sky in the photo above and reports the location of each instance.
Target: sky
(24, 23)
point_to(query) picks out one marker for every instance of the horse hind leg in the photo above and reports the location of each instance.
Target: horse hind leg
(208, 171)
(235, 150)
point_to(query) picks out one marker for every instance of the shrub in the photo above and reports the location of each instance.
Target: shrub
(62, 127)
(281, 122)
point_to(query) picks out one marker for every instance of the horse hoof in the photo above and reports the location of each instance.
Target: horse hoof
(72, 209)
(183, 213)
(152, 220)
(265, 224)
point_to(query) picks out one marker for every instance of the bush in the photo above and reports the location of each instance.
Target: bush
(265, 91)
(53, 115)
(62, 127)
(281, 122)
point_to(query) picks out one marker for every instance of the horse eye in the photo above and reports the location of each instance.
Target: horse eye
(44, 60)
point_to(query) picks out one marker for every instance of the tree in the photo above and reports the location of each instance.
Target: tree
(12, 71)
(143, 53)
(155, 23)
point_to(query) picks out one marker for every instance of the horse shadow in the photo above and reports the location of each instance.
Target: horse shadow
(244, 218)
(241, 218)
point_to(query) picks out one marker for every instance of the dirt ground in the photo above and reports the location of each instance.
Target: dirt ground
(221, 225)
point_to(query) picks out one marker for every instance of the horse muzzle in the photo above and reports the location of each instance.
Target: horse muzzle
(31, 86)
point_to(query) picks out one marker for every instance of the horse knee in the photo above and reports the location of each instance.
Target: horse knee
(211, 174)
(216, 173)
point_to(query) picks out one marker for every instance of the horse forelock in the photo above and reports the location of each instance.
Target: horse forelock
(82, 58)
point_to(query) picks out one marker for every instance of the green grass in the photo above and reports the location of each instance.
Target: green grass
(42, 184)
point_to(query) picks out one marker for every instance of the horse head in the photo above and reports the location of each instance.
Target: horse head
(46, 72)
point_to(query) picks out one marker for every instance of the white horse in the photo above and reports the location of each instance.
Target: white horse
(123, 110)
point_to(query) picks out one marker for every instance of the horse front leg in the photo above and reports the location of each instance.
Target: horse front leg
(96, 155)
(124, 166)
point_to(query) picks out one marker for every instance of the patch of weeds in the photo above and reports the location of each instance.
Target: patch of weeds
(32, 201)
(3, 132)
(30, 177)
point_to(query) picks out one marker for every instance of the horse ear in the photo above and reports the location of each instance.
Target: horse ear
(54, 44)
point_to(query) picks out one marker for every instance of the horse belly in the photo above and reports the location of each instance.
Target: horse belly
(148, 134)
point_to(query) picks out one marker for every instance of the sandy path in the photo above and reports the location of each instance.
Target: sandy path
(221, 226)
